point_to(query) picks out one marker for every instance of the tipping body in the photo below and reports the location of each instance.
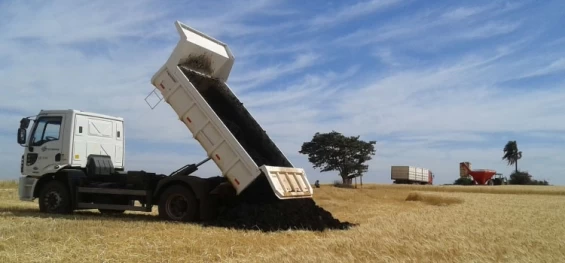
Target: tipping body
(192, 82)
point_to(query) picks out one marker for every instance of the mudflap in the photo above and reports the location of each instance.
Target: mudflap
(221, 196)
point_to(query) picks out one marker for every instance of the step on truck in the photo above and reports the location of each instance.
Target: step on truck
(74, 160)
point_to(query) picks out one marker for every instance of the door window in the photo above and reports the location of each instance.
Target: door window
(47, 129)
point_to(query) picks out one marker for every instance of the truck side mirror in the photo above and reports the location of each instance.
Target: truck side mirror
(24, 123)
(22, 135)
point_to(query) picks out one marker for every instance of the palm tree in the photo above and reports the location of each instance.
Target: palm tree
(511, 154)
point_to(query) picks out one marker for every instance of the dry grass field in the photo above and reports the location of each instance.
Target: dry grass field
(436, 224)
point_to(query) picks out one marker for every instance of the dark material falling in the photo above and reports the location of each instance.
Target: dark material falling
(200, 63)
(256, 208)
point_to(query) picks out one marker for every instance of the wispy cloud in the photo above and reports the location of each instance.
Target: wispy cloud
(490, 29)
(554, 67)
(351, 11)
(234, 19)
(108, 56)
(254, 77)
(57, 22)
(464, 12)
(436, 26)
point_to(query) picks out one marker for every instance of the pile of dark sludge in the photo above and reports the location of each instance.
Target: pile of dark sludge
(297, 214)
(258, 209)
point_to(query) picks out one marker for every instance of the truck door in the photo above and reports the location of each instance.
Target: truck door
(43, 153)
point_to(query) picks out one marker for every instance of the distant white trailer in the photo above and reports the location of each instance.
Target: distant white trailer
(411, 175)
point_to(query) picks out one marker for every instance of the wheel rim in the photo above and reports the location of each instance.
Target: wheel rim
(52, 200)
(177, 206)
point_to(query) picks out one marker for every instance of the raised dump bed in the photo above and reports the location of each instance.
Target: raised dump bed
(193, 82)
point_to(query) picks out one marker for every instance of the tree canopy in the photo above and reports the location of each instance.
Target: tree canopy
(512, 154)
(463, 181)
(333, 151)
(524, 178)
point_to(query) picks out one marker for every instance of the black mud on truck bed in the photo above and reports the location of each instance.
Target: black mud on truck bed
(238, 120)
(242, 125)
(257, 207)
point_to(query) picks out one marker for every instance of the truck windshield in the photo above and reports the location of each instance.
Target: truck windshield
(46, 129)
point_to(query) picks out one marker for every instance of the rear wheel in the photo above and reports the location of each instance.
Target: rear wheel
(55, 198)
(178, 203)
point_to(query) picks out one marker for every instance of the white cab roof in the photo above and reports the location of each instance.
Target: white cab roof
(73, 111)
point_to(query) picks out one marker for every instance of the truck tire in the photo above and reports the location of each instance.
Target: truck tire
(54, 198)
(178, 203)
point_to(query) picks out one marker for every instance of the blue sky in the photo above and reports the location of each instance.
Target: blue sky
(434, 82)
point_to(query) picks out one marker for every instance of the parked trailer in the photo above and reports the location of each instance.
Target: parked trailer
(411, 175)
(75, 160)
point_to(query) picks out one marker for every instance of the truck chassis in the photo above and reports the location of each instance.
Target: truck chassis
(179, 196)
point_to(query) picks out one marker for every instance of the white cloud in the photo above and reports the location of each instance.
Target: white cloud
(489, 30)
(252, 50)
(434, 28)
(463, 12)
(54, 66)
(352, 11)
(232, 18)
(447, 85)
(554, 67)
(57, 22)
(254, 77)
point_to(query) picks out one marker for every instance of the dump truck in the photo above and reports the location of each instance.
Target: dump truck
(75, 159)
(411, 175)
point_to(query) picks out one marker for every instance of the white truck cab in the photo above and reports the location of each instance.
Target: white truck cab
(65, 138)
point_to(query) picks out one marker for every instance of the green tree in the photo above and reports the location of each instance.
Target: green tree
(525, 178)
(463, 181)
(333, 151)
(512, 154)
(522, 178)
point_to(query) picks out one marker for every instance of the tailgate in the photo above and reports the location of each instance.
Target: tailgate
(288, 183)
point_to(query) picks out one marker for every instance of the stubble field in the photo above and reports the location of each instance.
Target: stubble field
(440, 224)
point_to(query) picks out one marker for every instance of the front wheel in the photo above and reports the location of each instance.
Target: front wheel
(55, 198)
(178, 203)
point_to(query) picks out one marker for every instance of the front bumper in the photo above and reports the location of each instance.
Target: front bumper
(26, 188)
